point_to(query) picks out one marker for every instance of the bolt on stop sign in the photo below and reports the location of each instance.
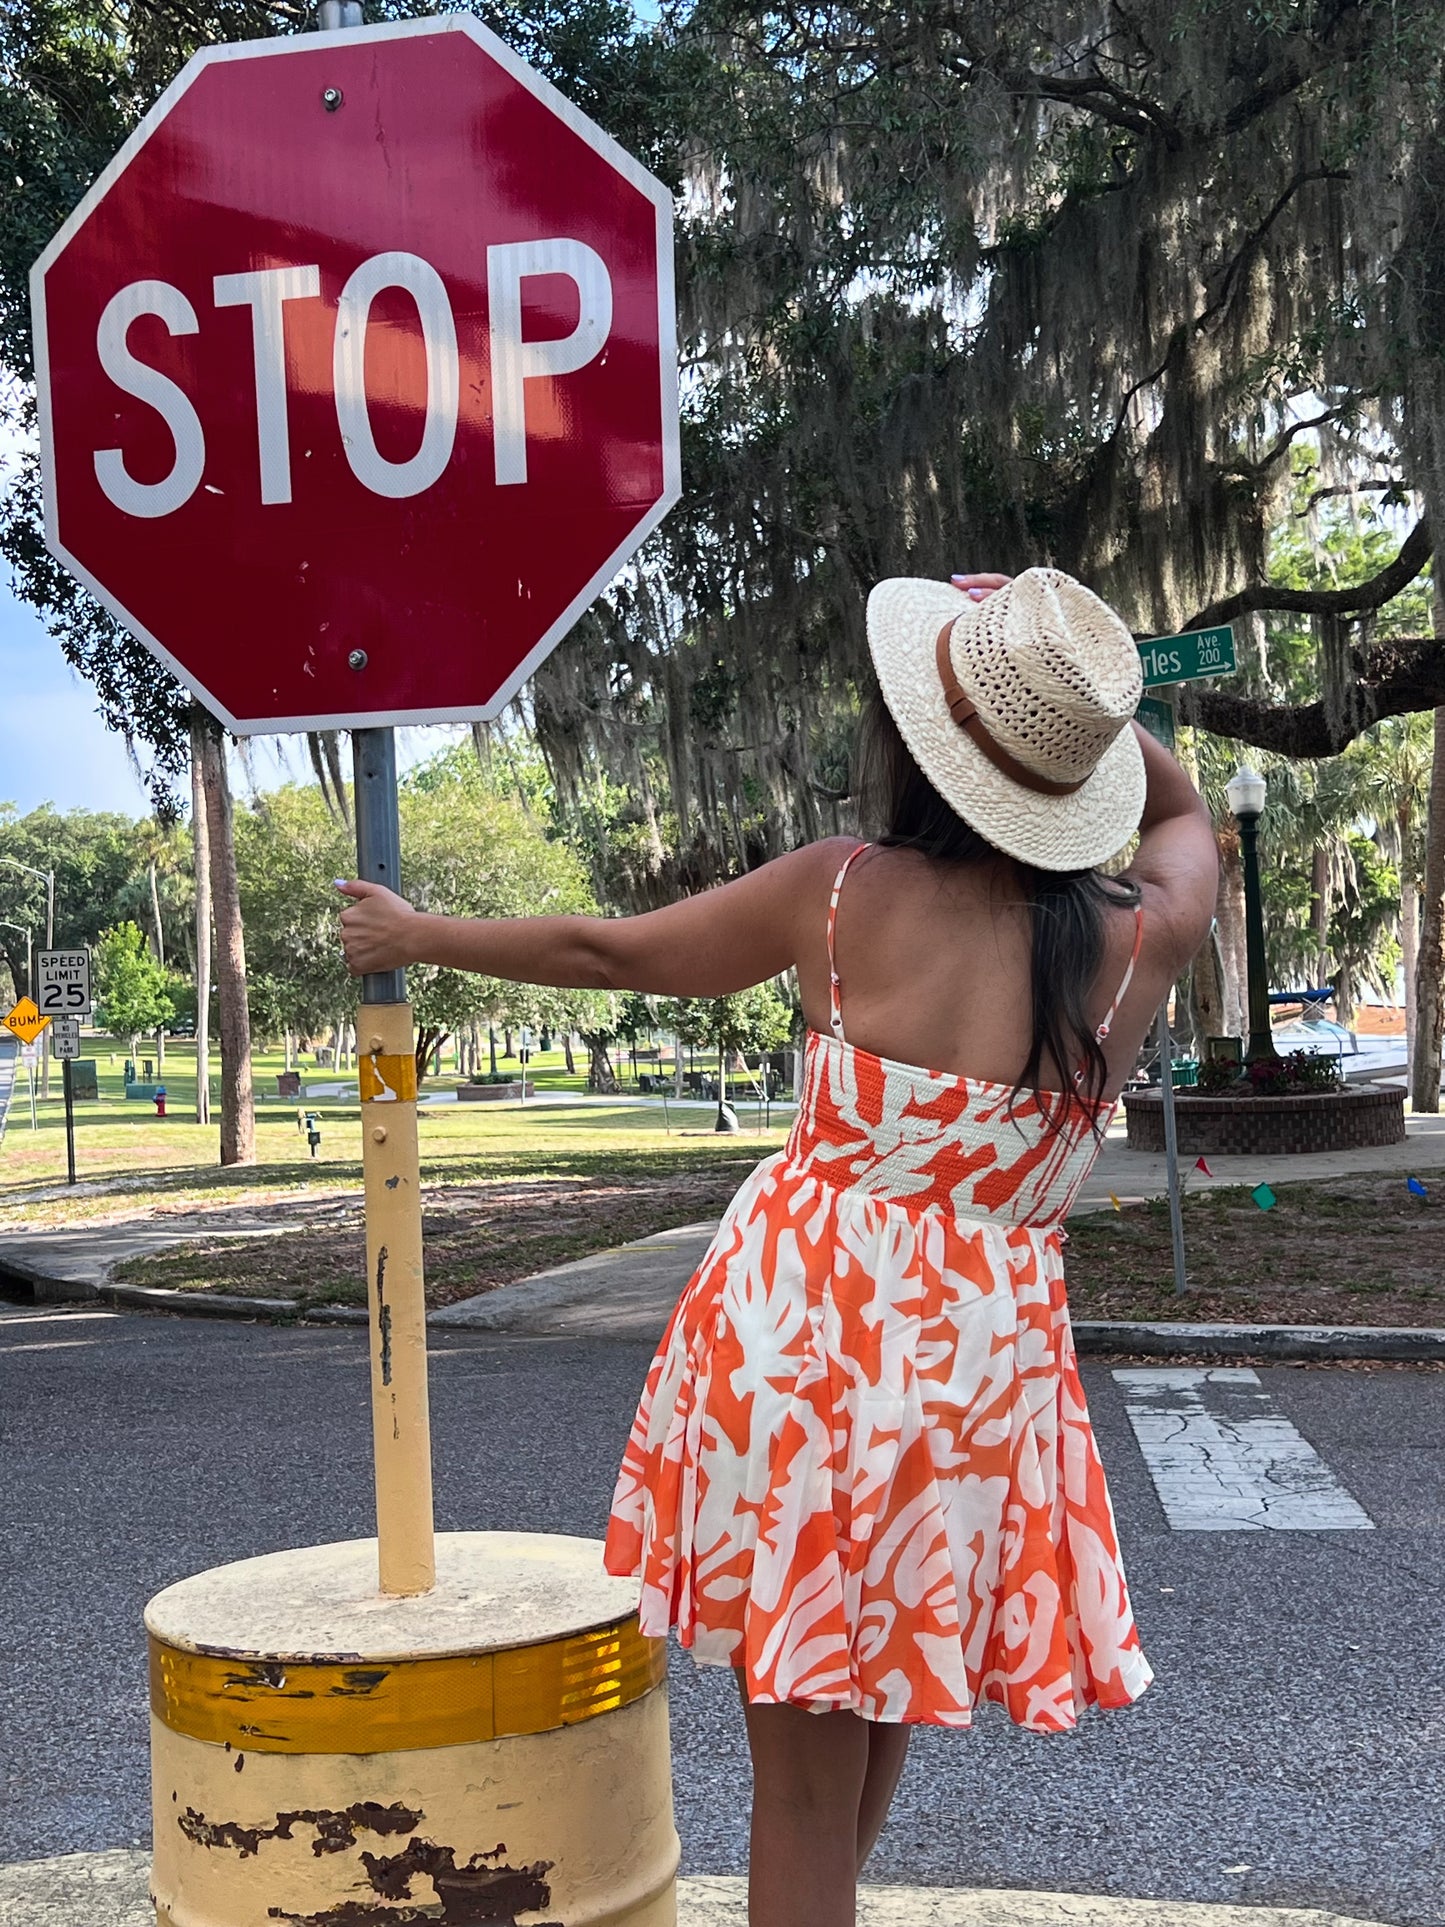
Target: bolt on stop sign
(357, 371)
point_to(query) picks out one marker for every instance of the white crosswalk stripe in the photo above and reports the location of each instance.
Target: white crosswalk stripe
(1223, 1458)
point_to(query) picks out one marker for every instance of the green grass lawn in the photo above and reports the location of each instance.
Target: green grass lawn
(128, 1158)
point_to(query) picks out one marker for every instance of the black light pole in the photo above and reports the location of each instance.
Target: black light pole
(1247, 791)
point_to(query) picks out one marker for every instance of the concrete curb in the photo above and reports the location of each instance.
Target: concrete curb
(1092, 1337)
(1388, 1343)
(110, 1889)
(195, 1304)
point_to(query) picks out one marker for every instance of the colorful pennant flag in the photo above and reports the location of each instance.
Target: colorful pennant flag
(1119, 1207)
(1264, 1197)
(1419, 1190)
(1201, 1165)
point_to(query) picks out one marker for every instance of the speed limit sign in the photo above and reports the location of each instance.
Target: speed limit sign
(63, 983)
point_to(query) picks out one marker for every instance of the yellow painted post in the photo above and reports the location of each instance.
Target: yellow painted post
(401, 1428)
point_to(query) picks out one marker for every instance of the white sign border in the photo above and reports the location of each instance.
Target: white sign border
(624, 163)
(43, 956)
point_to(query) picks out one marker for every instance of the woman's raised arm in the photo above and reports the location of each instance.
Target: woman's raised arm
(705, 946)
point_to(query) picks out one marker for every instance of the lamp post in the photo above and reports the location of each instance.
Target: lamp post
(1247, 792)
(47, 877)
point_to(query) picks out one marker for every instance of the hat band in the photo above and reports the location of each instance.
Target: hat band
(967, 717)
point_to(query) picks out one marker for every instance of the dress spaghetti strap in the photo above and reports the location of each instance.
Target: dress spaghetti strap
(1103, 1031)
(835, 1007)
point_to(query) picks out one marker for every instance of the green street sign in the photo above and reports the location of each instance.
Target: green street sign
(1187, 658)
(1158, 719)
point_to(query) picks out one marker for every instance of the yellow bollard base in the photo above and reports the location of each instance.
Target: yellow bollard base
(495, 1750)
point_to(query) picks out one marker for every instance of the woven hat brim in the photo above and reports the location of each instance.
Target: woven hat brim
(1076, 832)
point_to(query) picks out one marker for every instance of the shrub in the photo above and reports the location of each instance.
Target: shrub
(1299, 1073)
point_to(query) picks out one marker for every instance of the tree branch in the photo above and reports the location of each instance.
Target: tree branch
(1353, 601)
(1392, 679)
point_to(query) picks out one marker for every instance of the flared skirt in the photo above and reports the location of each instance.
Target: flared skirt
(862, 1468)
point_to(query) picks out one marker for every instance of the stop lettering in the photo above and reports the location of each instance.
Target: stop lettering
(358, 375)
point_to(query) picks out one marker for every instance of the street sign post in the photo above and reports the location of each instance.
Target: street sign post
(1166, 661)
(1188, 657)
(30, 1057)
(62, 983)
(65, 1043)
(357, 379)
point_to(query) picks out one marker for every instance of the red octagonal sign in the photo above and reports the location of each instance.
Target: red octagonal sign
(358, 375)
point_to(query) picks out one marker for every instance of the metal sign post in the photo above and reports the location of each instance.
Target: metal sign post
(65, 1042)
(386, 1061)
(1171, 1147)
(29, 1053)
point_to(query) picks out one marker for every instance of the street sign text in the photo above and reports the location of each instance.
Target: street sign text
(65, 1037)
(26, 1021)
(1187, 658)
(62, 979)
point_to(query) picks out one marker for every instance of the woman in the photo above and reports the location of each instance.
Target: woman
(862, 1471)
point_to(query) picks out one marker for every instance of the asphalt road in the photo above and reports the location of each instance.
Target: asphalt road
(1292, 1751)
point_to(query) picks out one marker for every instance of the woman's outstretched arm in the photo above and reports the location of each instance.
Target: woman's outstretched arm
(705, 946)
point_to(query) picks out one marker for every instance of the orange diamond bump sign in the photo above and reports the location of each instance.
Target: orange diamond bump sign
(25, 1020)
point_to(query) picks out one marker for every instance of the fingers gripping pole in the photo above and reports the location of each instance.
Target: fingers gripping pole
(401, 1432)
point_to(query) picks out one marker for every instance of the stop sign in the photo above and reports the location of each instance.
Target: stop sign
(357, 375)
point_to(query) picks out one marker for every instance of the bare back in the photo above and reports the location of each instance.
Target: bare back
(933, 961)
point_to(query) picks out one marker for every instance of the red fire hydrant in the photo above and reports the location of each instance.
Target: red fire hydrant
(160, 1100)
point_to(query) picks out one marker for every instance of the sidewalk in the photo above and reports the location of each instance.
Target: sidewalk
(628, 1292)
(110, 1890)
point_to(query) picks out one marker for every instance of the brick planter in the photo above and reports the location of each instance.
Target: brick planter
(491, 1093)
(1347, 1120)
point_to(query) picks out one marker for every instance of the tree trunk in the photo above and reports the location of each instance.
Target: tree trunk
(1344, 985)
(238, 1110)
(1409, 955)
(568, 1058)
(1207, 993)
(1430, 964)
(506, 1040)
(679, 1086)
(201, 848)
(1320, 908)
(160, 1048)
(492, 1049)
(156, 917)
(1230, 916)
(601, 1077)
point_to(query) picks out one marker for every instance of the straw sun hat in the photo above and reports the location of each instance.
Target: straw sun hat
(1017, 710)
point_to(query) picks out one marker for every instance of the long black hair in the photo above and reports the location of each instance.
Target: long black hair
(904, 811)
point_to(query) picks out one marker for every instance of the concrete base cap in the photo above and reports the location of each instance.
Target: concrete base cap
(494, 1590)
(111, 1890)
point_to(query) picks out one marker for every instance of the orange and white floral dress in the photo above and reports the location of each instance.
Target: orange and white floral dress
(862, 1467)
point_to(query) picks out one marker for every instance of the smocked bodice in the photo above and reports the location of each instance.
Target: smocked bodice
(929, 1140)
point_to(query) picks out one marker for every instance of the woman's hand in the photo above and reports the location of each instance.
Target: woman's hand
(979, 586)
(379, 931)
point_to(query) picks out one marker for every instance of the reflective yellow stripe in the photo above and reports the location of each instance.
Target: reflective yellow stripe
(386, 1079)
(398, 1706)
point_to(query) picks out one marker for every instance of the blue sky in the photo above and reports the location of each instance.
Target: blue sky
(53, 746)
